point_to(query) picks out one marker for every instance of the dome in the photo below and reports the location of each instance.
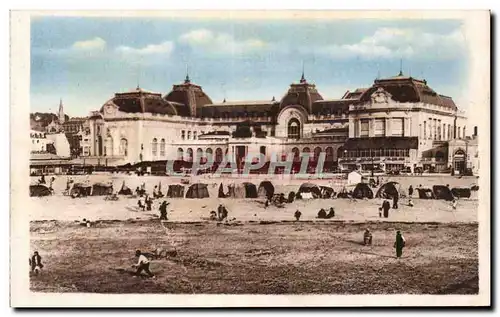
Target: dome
(304, 94)
(141, 101)
(408, 89)
(188, 98)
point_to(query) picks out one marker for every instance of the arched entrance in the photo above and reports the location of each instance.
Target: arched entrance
(459, 160)
(293, 129)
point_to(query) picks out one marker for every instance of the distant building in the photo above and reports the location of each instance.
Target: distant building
(39, 142)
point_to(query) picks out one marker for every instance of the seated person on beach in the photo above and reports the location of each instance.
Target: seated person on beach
(367, 237)
(213, 215)
(331, 213)
(321, 214)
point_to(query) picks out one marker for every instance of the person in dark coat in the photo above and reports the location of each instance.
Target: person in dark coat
(395, 199)
(291, 197)
(399, 244)
(297, 215)
(367, 237)
(36, 263)
(410, 190)
(42, 179)
(385, 207)
(220, 211)
(163, 210)
(148, 202)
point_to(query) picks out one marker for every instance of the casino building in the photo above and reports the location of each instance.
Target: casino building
(396, 123)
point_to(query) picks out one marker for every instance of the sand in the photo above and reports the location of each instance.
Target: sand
(60, 207)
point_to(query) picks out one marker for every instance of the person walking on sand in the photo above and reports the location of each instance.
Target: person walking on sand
(36, 263)
(367, 237)
(142, 264)
(386, 206)
(454, 204)
(399, 244)
(163, 210)
(395, 199)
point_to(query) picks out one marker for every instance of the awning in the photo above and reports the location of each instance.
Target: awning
(381, 143)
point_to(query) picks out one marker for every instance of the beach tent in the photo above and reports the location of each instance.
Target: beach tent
(250, 190)
(81, 189)
(361, 191)
(354, 177)
(461, 192)
(266, 189)
(39, 190)
(102, 189)
(326, 192)
(310, 188)
(442, 192)
(124, 190)
(236, 191)
(389, 190)
(197, 190)
(175, 191)
(221, 191)
(425, 193)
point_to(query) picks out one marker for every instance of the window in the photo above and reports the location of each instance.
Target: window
(458, 134)
(209, 154)
(294, 129)
(263, 150)
(449, 131)
(397, 127)
(195, 135)
(317, 152)
(379, 127)
(162, 147)
(183, 134)
(218, 155)
(189, 135)
(180, 154)
(189, 154)
(464, 133)
(154, 147)
(444, 131)
(123, 147)
(329, 154)
(364, 128)
(407, 152)
(425, 130)
(439, 132)
(199, 154)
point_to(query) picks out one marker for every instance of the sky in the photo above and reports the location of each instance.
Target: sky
(84, 61)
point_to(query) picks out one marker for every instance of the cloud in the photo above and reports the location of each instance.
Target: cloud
(387, 43)
(165, 48)
(221, 43)
(96, 43)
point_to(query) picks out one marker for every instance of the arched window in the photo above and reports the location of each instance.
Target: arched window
(294, 129)
(317, 151)
(195, 135)
(218, 155)
(306, 150)
(189, 157)
(329, 154)
(209, 154)
(296, 154)
(154, 147)
(189, 135)
(162, 147)
(123, 147)
(108, 149)
(199, 154)
(180, 154)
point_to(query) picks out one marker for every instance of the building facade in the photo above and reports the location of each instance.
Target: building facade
(397, 123)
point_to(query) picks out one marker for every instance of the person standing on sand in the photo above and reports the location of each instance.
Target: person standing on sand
(386, 206)
(36, 263)
(399, 244)
(297, 215)
(454, 204)
(395, 199)
(142, 264)
(410, 191)
(367, 237)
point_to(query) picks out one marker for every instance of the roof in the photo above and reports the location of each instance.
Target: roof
(50, 162)
(408, 89)
(356, 94)
(141, 101)
(304, 94)
(188, 98)
(391, 142)
(44, 156)
(213, 133)
(243, 103)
